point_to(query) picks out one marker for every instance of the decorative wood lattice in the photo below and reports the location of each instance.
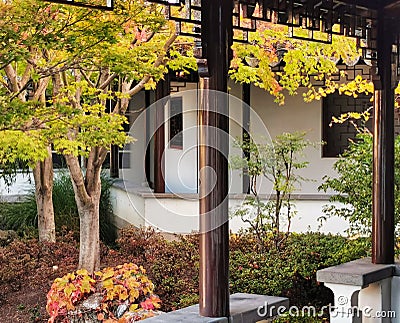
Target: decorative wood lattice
(314, 20)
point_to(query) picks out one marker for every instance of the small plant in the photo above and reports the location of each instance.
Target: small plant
(120, 294)
(35, 313)
(278, 163)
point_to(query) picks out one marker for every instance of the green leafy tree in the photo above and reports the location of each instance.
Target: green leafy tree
(76, 54)
(353, 186)
(277, 162)
(305, 63)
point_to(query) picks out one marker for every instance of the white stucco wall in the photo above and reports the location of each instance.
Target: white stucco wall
(22, 185)
(136, 171)
(179, 214)
(266, 119)
(295, 115)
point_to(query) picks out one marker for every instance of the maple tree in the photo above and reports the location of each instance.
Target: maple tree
(305, 64)
(59, 65)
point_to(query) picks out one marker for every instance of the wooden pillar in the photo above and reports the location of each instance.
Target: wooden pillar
(216, 28)
(114, 162)
(246, 94)
(383, 155)
(114, 150)
(148, 153)
(162, 93)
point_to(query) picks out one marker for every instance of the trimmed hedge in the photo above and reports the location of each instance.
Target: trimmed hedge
(291, 272)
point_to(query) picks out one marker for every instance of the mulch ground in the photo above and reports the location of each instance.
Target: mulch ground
(25, 305)
(27, 272)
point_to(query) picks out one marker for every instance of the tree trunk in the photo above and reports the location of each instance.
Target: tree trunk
(89, 250)
(43, 175)
(87, 196)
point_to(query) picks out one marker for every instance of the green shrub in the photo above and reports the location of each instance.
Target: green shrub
(173, 266)
(353, 185)
(291, 272)
(22, 217)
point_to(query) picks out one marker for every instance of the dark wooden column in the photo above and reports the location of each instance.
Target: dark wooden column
(162, 92)
(246, 94)
(114, 162)
(383, 156)
(216, 29)
(148, 154)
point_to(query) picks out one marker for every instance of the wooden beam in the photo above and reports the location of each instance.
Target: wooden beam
(388, 4)
(383, 225)
(392, 9)
(246, 97)
(367, 4)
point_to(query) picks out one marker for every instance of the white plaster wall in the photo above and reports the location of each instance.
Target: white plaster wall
(267, 119)
(128, 207)
(235, 131)
(172, 214)
(296, 115)
(136, 172)
(23, 185)
(306, 218)
(180, 214)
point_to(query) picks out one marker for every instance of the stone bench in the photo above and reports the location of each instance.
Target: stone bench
(363, 291)
(244, 308)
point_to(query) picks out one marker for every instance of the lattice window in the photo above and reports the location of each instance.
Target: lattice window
(336, 137)
(176, 123)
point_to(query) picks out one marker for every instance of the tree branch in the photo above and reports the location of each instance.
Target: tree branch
(27, 75)
(86, 77)
(107, 82)
(157, 63)
(12, 76)
(42, 86)
(77, 177)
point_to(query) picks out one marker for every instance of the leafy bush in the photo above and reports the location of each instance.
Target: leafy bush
(120, 294)
(173, 266)
(22, 217)
(291, 272)
(353, 185)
